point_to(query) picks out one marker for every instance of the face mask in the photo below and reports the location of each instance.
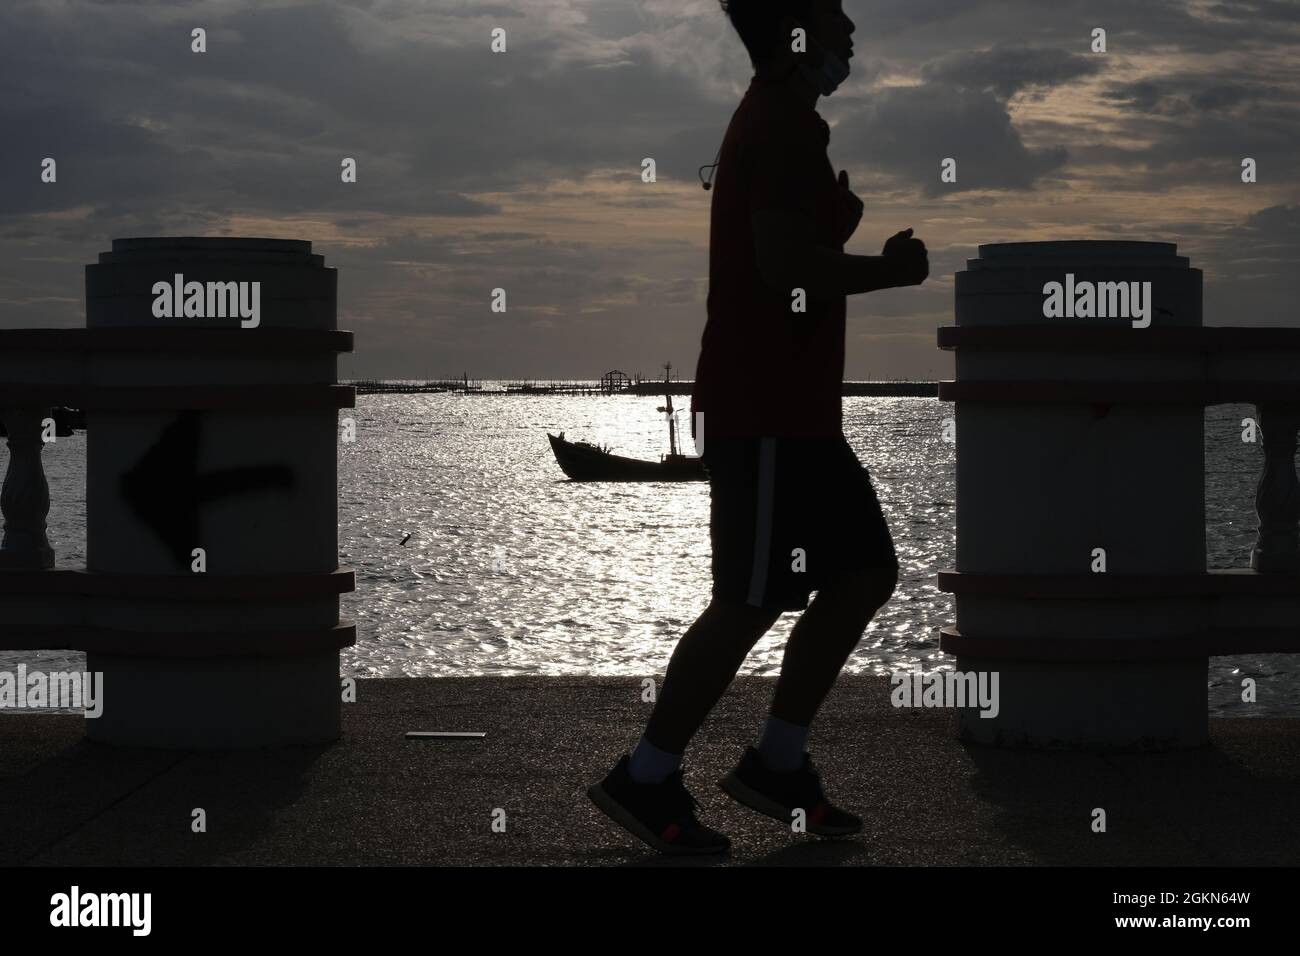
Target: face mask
(833, 72)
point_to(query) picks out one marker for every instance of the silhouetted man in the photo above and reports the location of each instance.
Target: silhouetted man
(792, 509)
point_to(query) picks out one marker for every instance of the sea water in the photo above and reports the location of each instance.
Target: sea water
(510, 568)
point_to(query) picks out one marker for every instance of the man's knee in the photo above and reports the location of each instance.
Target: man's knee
(742, 618)
(866, 589)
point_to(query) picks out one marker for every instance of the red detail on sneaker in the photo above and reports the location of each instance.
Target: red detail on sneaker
(671, 832)
(819, 812)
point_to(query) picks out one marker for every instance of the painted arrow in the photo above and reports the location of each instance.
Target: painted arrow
(167, 492)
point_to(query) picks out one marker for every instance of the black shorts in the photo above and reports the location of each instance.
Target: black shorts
(787, 515)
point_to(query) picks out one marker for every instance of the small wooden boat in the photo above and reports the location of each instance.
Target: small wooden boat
(583, 461)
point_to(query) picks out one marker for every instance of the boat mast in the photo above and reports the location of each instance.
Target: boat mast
(672, 419)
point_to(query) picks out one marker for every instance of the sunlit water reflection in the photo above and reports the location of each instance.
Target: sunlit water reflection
(512, 569)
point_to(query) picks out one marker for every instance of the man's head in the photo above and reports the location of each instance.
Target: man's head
(765, 27)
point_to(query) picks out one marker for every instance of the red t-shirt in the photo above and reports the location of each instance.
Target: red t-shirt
(765, 369)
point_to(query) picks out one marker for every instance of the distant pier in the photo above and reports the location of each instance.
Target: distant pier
(894, 389)
(68, 419)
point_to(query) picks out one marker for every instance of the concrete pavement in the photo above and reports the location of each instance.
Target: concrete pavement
(377, 798)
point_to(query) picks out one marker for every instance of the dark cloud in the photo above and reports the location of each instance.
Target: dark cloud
(522, 170)
(1251, 274)
(919, 30)
(1193, 95)
(908, 130)
(1006, 70)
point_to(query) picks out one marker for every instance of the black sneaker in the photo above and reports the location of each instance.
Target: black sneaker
(661, 815)
(778, 795)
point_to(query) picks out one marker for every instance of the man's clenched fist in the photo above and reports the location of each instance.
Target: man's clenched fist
(907, 256)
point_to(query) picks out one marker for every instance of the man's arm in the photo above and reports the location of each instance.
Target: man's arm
(788, 258)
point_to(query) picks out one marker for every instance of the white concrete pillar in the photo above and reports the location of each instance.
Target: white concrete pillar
(211, 497)
(1074, 449)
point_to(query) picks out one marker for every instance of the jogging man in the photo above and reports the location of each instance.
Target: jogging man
(792, 509)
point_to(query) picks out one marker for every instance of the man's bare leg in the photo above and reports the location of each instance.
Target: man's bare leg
(775, 778)
(644, 793)
(824, 637)
(701, 669)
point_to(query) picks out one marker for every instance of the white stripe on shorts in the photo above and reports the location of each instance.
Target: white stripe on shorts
(763, 520)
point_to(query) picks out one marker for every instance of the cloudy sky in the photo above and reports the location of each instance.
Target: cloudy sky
(522, 170)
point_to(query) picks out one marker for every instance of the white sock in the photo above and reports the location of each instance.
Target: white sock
(782, 745)
(649, 764)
